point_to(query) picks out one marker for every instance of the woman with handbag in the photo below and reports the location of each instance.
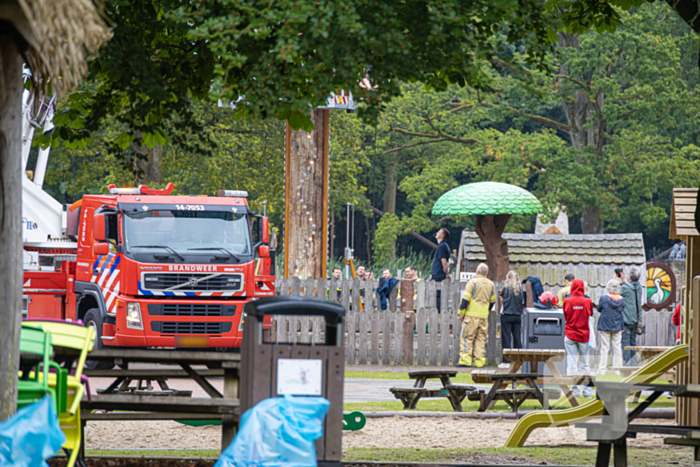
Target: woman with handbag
(511, 313)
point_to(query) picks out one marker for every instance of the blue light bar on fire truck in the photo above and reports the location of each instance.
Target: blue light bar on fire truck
(233, 193)
(141, 190)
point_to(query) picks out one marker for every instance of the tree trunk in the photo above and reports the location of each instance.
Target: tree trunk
(579, 110)
(389, 199)
(490, 230)
(332, 230)
(368, 239)
(11, 88)
(591, 223)
(150, 168)
(306, 203)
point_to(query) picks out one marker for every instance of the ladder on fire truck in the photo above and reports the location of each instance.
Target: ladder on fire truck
(43, 217)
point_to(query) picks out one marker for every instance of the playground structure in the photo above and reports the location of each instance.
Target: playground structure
(594, 408)
(683, 227)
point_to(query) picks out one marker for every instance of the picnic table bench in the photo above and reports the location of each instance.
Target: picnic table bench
(455, 393)
(646, 354)
(119, 403)
(616, 425)
(513, 396)
(484, 377)
(547, 356)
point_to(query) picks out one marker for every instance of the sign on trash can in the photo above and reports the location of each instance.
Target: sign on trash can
(277, 369)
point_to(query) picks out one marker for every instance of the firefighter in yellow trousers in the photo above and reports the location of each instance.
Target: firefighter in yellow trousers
(479, 294)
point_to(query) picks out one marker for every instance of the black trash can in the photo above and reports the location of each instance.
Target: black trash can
(543, 329)
(268, 368)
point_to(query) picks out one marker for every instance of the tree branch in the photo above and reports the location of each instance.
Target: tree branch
(412, 145)
(439, 136)
(536, 118)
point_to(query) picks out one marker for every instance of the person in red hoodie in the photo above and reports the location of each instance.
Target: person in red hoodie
(577, 310)
(677, 321)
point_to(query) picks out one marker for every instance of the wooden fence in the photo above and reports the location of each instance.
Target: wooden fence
(376, 337)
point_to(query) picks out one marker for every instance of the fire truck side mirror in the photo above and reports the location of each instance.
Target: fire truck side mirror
(263, 251)
(265, 236)
(99, 227)
(100, 249)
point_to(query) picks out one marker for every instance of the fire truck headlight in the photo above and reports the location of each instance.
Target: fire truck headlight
(133, 316)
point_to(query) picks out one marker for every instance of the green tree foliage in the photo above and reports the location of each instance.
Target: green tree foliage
(607, 132)
(604, 125)
(278, 59)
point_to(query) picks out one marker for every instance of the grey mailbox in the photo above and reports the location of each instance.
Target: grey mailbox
(264, 364)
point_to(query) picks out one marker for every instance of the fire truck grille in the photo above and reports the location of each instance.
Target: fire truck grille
(177, 327)
(190, 309)
(190, 282)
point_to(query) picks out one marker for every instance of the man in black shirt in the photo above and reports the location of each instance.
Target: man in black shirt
(441, 260)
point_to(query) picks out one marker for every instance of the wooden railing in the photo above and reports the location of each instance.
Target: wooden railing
(377, 337)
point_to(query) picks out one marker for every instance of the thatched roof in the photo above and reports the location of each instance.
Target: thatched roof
(61, 34)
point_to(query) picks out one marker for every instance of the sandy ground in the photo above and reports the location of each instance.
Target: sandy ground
(395, 432)
(450, 433)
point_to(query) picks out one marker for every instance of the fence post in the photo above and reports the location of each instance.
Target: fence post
(349, 323)
(421, 322)
(409, 320)
(433, 333)
(387, 323)
(492, 347)
(456, 322)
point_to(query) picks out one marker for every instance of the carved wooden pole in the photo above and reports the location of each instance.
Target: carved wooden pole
(10, 216)
(306, 199)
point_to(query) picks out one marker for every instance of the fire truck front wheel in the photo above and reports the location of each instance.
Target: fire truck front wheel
(94, 318)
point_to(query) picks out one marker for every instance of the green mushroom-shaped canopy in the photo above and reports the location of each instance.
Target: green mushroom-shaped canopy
(487, 198)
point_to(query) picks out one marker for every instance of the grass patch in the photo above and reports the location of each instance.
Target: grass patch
(554, 455)
(443, 405)
(462, 377)
(160, 453)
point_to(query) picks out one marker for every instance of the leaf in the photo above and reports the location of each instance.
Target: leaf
(124, 140)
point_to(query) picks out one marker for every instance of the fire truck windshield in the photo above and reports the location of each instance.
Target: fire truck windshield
(186, 233)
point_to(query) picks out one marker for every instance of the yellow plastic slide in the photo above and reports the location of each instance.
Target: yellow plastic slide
(594, 408)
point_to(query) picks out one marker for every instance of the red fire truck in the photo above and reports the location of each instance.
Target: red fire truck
(145, 268)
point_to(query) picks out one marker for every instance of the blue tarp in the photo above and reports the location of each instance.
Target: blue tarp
(278, 432)
(31, 436)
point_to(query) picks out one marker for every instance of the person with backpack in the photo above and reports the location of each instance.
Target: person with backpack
(478, 296)
(511, 317)
(631, 291)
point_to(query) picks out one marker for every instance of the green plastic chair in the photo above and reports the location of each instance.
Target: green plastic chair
(72, 342)
(75, 342)
(35, 361)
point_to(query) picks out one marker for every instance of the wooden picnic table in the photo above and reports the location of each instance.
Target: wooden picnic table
(549, 356)
(514, 396)
(455, 393)
(121, 404)
(647, 352)
(616, 425)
